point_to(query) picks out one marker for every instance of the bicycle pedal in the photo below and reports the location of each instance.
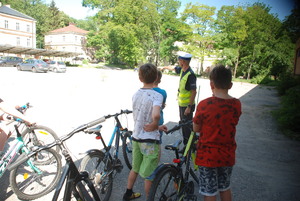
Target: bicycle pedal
(118, 165)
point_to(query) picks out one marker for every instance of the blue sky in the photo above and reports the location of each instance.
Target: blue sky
(74, 9)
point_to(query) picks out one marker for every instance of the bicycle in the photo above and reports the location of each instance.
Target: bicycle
(41, 167)
(171, 182)
(103, 165)
(76, 181)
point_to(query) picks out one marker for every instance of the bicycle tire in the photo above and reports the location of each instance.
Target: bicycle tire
(100, 170)
(39, 136)
(127, 149)
(27, 184)
(165, 185)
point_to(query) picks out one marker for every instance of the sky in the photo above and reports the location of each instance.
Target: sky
(283, 8)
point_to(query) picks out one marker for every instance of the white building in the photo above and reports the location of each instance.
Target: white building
(16, 29)
(66, 39)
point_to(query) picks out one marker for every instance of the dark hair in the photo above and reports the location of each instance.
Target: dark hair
(221, 77)
(159, 75)
(148, 73)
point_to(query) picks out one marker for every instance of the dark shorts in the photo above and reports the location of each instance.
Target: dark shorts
(213, 180)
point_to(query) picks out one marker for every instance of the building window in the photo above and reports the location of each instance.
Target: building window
(28, 42)
(75, 49)
(18, 41)
(17, 26)
(64, 48)
(6, 24)
(64, 38)
(28, 28)
(75, 38)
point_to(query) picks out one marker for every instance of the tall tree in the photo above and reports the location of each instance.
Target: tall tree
(128, 28)
(231, 29)
(200, 42)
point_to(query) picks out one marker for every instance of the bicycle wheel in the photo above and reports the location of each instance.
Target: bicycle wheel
(165, 185)
(29, 184)
(127, 149)
(39, 136)
(100, 170)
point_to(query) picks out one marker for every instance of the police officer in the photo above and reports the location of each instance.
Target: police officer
(186, 91)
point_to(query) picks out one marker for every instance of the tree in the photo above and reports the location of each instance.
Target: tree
(128, 28)
(200, 42)
(231, 29)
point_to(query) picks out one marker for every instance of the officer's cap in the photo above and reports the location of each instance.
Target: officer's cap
(184, 55)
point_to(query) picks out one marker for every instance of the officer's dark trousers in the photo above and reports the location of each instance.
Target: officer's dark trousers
(186, 130)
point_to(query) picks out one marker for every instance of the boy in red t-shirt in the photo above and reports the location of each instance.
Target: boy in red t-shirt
(216, 119)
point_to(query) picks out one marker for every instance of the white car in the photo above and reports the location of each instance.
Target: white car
(57, 66)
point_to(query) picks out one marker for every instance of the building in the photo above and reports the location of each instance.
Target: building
(68, 38)
(16, 29)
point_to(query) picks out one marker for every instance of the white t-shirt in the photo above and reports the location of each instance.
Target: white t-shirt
(143, 102)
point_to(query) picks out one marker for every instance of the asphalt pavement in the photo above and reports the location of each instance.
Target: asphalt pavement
(267, 165)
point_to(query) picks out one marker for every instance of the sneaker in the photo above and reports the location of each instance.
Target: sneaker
(133, 196)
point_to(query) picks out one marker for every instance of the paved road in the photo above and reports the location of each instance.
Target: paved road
(268, 163)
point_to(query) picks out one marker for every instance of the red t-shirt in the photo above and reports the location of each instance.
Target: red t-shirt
(217, 119)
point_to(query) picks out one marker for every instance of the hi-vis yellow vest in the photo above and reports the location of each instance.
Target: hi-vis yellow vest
(183, 94)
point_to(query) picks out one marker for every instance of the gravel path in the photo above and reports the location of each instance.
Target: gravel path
(268, 163)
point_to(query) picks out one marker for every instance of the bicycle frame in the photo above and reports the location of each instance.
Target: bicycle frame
(12, 152)
(117, 135)
(74, 178)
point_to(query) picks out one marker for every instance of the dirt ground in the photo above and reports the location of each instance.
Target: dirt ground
(268, 163)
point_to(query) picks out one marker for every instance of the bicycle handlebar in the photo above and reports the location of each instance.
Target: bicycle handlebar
(178, 126)
(117, 114)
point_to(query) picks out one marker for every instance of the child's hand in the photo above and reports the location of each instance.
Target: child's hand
(163, 128)
(151, 127)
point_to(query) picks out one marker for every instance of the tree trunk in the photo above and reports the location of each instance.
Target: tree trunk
(249, 70)
(236, 66)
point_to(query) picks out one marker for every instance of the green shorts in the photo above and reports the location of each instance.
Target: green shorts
(144, 158)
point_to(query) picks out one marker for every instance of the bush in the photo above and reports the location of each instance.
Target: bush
(286, 83)
(288, 115)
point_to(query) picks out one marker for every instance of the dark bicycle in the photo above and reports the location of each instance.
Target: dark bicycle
(171, 182)
(102, 165)
(74, 180)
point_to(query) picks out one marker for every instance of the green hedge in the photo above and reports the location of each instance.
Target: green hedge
(288, 115)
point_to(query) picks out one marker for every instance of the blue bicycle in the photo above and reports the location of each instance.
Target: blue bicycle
(37, 176)
(102, 165)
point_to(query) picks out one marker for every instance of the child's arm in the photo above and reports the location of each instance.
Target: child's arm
(155, 120)
(196, 127)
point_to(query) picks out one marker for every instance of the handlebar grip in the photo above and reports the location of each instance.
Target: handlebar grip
(21, 159)
(126, 111)
(173, 129)
(95, 122)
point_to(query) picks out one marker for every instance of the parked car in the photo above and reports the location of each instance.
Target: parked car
(10, 61)
(57, 66)
(34, 65)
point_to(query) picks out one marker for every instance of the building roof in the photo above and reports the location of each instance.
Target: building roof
(69, 29)
(9, 11)
(35, 51)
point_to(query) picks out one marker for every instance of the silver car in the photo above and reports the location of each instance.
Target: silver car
(57, 66)
(34, 65)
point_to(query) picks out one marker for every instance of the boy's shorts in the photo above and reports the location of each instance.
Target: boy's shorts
(144, 158)
(213, 180)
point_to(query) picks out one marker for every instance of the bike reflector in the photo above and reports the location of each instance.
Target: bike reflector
(43, 132)
(98, 137)
(25, 176)
(176, 160)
